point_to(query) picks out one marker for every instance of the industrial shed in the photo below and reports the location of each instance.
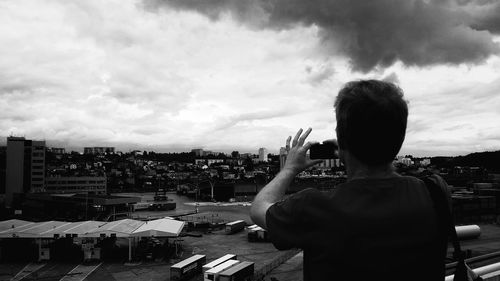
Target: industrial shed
(85, 234)
(159, 228)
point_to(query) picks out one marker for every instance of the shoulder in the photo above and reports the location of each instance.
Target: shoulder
(434, 179)
(302, 197)
(295, 204)
(393, 181)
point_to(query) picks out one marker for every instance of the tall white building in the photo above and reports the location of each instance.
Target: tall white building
(283, 154)
(262, 154)
(25, 167)
(329, 163)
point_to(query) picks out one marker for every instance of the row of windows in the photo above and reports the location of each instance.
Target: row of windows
(38, 154)
(75, 188)
(37, 173)
(37, 167)
(36, 179)
(75, 182)
(38, 161)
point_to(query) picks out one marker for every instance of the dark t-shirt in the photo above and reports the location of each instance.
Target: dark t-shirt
(365, 229)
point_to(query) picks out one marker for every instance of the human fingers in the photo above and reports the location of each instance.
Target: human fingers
(296, 138)
(308, 145)
(311, 162)
(287, 147)
(304, 136)
(316, 161)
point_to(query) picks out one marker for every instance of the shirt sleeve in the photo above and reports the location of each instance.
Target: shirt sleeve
(284, 222)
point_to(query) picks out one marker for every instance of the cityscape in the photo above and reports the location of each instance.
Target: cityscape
(207, 192)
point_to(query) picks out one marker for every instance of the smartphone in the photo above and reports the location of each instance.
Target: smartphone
(325, 150)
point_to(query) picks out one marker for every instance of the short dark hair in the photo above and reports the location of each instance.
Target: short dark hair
(371, 120)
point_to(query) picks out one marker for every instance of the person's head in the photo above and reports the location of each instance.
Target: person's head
(371, 120)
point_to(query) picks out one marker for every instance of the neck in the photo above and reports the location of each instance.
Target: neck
(358, 170)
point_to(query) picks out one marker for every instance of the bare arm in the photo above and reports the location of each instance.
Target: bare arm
(275, 190)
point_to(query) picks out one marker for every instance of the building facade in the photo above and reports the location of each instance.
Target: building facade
(25, 167)
(208, 161)
(263, 154)
(96, 185)
(283, 154)
(57, 150)
(198, 152)
(329, 164)
(98, 150)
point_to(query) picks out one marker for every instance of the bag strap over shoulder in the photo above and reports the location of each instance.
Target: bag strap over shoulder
(447, 229)
(445, 217)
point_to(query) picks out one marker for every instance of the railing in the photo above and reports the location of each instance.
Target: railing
(489, 272)
(491, 257)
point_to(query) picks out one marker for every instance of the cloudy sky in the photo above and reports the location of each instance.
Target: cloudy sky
(242, 74)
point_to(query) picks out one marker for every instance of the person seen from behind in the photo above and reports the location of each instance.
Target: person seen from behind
(378, 225)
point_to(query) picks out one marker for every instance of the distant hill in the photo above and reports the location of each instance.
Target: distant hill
(489, 160)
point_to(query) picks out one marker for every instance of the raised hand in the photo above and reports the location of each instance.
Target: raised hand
(297, 160)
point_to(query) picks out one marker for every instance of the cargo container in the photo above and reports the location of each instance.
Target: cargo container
(240, 272)
(187, 268)
(235, 226)
(256, 233)
(252, 233)
(218, 261)
(261, 234)
(213, 274)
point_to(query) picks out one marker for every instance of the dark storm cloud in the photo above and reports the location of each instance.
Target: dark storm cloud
(371, 33)
(485, 15)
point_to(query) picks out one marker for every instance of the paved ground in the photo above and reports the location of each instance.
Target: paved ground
(213, 245)
(80, 272)
(27, 270)
(51, 271)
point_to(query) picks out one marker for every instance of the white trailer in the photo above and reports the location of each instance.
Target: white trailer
(213, 274)
(218, 261)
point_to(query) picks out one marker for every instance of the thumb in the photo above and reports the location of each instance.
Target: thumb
(317, 161)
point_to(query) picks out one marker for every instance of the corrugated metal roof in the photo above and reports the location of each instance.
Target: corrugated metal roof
(10, 224)
(85, 227)
(159, 228)
(35, 230)
(13, 232)
(122, 228)
(74, 228)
